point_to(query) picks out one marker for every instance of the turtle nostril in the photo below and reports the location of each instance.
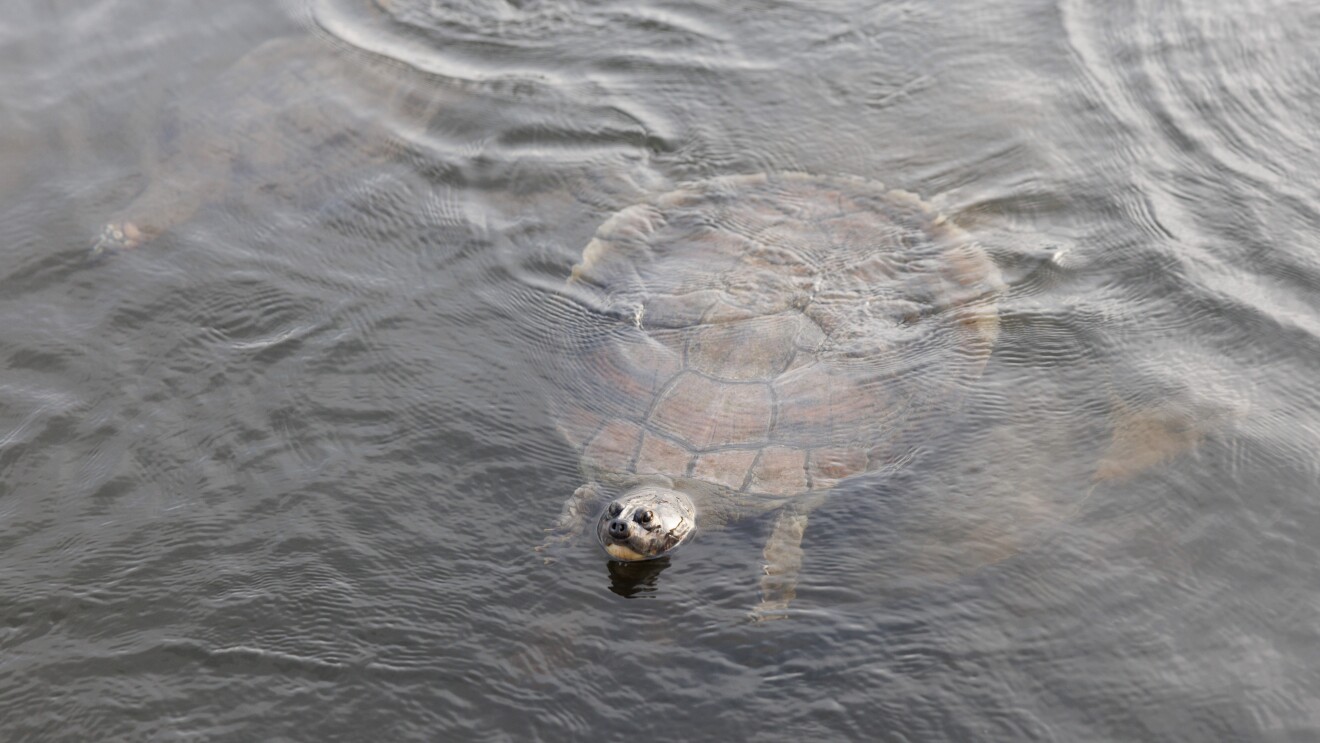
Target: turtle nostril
(619, 529)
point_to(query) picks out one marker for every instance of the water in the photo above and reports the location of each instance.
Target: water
(277, 473)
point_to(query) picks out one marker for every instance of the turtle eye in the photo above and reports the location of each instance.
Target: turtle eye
(644, 517)
(616, 508)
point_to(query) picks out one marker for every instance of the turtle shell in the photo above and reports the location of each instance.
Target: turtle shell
(773, 334)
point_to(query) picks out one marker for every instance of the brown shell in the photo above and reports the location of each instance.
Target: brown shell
(774, 333)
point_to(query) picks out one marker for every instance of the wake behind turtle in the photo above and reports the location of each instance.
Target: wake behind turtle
(758, 340)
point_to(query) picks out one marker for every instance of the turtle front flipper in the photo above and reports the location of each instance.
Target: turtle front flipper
(783, 560)
(572, 521)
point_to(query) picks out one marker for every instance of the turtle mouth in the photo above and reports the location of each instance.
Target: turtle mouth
(625, 552)
(621, 540)
(644, 546)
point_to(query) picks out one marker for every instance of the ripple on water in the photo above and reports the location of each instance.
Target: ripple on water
(278, 472)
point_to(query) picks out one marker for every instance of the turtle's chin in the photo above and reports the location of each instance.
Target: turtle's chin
(646, 523)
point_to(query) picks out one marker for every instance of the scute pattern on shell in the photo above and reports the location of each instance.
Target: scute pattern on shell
(773, 333)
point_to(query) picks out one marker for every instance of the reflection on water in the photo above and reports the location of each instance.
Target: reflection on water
(634, 579)
(275, 468)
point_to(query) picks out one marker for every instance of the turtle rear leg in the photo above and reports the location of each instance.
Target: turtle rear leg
(197, 170)
(169, 200)
(116, 236)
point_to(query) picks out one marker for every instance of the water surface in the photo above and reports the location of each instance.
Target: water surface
(277, 472)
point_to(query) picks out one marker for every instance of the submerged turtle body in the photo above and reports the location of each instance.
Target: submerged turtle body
(776, 334)
(760, 338)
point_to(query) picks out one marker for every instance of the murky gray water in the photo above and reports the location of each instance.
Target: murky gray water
(278, 472)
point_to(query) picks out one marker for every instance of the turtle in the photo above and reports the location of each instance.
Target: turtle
(752, 341)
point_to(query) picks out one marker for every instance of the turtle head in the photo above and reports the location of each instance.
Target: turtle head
(645, 523)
